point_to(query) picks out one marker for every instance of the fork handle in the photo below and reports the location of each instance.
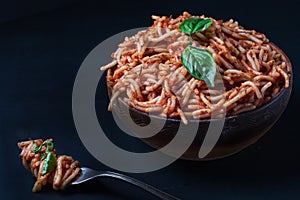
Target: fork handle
(146, 187)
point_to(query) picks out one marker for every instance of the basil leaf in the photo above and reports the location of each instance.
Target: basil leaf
(193, 25)
(49, 147)
(43, 156)
(36, 149)
(200, 64)
(49, 163)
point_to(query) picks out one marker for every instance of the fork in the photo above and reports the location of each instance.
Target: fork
(89, 174)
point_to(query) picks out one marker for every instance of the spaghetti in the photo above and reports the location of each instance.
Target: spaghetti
(147, 73)
(63, 169)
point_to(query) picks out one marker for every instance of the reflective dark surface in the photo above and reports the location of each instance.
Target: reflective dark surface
(39, 58)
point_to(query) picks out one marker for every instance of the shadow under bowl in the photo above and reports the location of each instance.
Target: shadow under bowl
(238, 132)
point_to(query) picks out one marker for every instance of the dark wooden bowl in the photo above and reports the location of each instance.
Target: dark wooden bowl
(238, 132)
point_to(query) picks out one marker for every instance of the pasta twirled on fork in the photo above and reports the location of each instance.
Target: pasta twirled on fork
(46, 165)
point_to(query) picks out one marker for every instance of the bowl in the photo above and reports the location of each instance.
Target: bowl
(239, 131)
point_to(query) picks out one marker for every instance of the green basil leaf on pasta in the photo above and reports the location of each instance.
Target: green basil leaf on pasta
(36, 149)
(194, 25)
(49, 146)
(43, 156)
(199, 63)
(49, 163)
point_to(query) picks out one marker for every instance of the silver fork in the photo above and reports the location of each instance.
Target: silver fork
(88, 174)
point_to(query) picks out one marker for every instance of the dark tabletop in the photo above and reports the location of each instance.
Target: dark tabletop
(40, 56)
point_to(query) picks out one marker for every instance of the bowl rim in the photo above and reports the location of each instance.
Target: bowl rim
(244, 114)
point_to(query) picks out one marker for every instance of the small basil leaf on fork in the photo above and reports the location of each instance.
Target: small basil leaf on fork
(49, 163)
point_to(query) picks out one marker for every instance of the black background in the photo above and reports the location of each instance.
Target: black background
(39, 58)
